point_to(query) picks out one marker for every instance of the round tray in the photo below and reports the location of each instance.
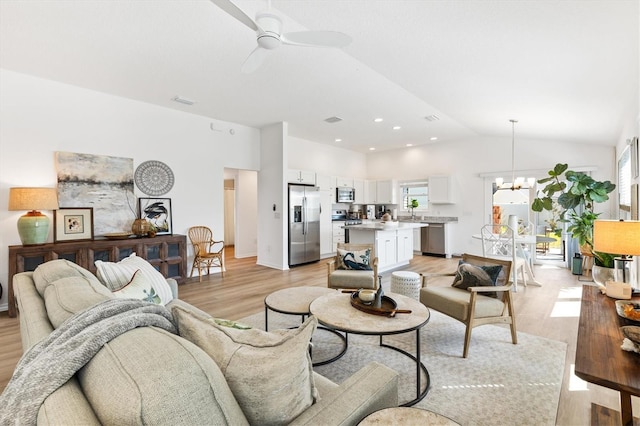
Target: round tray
(389, 306)
(118, 235)
(620, 304)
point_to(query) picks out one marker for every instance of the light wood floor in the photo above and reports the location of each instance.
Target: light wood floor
(550, 311)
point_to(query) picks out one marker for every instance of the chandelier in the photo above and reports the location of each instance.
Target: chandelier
(516, 183)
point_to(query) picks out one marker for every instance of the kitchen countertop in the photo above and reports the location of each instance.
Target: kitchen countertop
(379, 226)
(429, 219)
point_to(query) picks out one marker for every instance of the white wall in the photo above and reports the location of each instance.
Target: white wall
(466, 160)
(326, 159)
(246, 214)
(272, 198)
(39, 117)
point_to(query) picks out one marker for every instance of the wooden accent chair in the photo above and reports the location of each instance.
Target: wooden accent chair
(340, 277)
(471, 306)
(206, 251)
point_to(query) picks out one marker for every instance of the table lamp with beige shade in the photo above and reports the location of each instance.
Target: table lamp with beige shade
(618, 236)
(33, 227)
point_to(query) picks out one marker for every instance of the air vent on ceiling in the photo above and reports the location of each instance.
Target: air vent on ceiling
(333, 119)
(432, 117)
(183, 100)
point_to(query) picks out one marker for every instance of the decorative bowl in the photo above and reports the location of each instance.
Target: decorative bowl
(367, 295)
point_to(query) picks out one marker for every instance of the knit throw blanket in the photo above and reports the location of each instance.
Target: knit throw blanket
(53, 361)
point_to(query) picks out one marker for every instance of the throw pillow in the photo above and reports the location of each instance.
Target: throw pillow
(357, 260)
(269, 373)
(469, 275)
(138, 288)
(117, 275)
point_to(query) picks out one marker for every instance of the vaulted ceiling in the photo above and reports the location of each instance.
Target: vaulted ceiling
(566, 70)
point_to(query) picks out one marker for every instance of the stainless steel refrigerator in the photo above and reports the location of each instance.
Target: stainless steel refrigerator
(304, 224)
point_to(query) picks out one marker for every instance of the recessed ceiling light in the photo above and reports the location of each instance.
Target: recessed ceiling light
(183, 100)
(338, 140)
(397, 127)
(372, 149)
(409, 144)
(433, 138)
(378, 120)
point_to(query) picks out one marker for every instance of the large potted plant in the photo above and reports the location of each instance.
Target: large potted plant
(576, 193)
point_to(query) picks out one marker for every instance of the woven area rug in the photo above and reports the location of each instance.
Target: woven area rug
(498, 384)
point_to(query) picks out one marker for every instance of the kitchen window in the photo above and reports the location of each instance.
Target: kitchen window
(418, 190)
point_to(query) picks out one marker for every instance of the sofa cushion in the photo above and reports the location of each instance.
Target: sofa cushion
(53, 270)
(138, 288)
(67, 289)
(359, 260)
(150, 376)
(455, 302)
(117, 275)
(270, 373)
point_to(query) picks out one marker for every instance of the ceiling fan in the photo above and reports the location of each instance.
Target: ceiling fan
(268, 28)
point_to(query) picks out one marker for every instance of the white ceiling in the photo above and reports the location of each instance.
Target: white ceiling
(567, 70)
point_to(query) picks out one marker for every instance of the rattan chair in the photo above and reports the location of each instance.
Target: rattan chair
(206, 251)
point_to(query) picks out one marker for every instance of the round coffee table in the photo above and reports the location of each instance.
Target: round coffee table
(406, 416)
(334, 311)
(296, 301)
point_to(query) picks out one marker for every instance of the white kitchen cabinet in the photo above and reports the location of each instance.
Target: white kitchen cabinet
(325, 182)
(386, 247)
(342, 182)
(369, 192)
(358, 186)
(404, 243)
(441, 190)
(386, 192)
(416, 239)
(326, 226)
(303, 177)
(338, 233)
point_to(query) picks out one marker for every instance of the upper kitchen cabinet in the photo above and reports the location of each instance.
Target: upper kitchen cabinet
(303, 177)
(386, 192)
(344, 182)
(325, 182)
(441, 190)
(358, 187)
(380, 192)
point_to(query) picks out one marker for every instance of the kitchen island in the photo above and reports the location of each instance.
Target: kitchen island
(393, 241)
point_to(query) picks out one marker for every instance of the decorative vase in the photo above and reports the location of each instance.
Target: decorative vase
(140, 227)
(602, 274)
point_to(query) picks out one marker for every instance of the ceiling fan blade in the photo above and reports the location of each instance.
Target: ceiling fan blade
(237, 13)
(316, 38)
(254, 60)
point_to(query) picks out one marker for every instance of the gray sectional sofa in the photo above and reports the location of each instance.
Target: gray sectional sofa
(150, 376)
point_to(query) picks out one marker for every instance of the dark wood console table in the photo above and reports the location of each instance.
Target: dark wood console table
(599, 358)
(167, 253)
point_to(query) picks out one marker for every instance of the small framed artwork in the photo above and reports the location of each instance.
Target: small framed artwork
(157, 211)
(73, 224)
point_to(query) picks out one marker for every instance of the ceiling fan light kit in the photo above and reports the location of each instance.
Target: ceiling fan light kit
(269, 35)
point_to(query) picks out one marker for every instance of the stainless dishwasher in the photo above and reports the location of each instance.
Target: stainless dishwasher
(432, 240)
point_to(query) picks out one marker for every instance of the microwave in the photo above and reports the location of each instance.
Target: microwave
(345, 195)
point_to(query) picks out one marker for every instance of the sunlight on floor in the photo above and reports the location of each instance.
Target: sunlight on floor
(565, 309)
(548, 266)
(575, 382)
(570, 293)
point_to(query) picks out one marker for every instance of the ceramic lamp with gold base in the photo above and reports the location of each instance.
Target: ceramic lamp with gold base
(33, 227)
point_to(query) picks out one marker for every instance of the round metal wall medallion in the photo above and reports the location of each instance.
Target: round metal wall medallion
(154, 178)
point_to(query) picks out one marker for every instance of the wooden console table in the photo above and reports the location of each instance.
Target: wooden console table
(599, 358)
(167, 253)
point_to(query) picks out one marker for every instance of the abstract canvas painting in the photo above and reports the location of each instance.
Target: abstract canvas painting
(102, 182)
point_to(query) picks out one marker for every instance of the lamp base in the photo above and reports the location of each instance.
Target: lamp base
(33, 228)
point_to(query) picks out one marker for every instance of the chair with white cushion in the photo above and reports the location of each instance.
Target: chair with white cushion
(354, 266)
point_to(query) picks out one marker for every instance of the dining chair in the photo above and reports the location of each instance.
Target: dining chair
(499, 242)
(206, 251)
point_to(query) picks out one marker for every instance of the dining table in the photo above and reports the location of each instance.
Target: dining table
(525, 245)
